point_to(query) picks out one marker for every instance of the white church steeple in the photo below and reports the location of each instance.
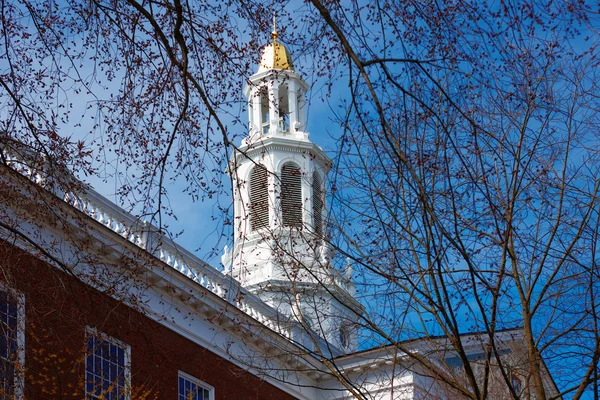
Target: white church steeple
(280, 252)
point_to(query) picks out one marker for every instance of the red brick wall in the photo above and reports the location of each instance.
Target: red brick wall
(58, 309)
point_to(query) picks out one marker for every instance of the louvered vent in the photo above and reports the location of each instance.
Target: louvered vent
(317, 204)
(291, 195)
(259, 198)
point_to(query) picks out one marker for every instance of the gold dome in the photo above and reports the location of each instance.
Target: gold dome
(275, 55)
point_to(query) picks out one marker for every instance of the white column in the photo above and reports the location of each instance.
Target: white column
(256, 110)
(302, 112)
(250, 114)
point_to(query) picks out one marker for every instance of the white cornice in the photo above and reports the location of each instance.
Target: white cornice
(343, 297)
(261, 78)
(274, 143)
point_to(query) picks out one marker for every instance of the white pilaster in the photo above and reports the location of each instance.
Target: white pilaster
(256, 109)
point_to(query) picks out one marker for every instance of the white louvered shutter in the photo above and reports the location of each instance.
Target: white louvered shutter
(291, 195)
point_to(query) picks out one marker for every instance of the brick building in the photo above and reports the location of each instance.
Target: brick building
(76, 328)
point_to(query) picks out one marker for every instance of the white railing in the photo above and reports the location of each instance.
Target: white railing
(147, 237)
(14, 161)
(110, 215)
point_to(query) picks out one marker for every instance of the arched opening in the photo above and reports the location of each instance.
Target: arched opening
(291, 195)
(264, 109)
(284, 108)
(259, 198)
(317, 204)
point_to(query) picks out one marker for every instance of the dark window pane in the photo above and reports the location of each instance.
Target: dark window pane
(106, 369)
(191, 390)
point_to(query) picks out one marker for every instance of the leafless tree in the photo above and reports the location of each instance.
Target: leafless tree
(465, 183)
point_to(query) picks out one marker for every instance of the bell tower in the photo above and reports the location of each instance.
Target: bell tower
(280, 253)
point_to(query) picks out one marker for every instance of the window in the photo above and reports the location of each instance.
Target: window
(191, 388)
(259, 198)
(291, 196)
(317, 204)
(11, 345)
(107, 373)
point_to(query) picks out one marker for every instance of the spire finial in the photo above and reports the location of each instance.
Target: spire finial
(274, 34)
(275, 55)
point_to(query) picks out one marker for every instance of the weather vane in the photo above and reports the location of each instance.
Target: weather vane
(274, 33)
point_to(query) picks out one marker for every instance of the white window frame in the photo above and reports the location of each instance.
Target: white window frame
(89, 331)
(197, 382)
(19, 378)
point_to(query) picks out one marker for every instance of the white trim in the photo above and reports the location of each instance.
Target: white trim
(90, 331)
(197, 382)
(270, 144)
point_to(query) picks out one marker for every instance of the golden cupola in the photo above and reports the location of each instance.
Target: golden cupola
(275, 55)
(276, 96)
